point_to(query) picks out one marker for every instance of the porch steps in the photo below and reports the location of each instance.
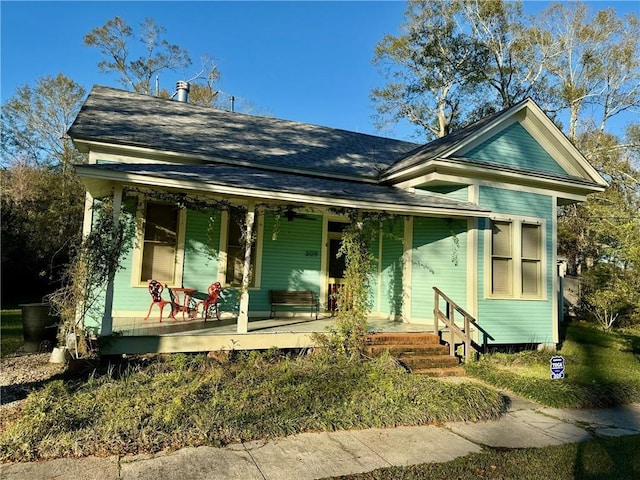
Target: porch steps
(420, 353)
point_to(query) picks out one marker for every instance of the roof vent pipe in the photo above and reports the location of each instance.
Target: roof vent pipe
(182, 88)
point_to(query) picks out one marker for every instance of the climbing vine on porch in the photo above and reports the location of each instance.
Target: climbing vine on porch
(85, 279)
(455, 242)
(346, 338)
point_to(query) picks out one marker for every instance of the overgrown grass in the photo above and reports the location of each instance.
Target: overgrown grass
(180, 400)
(601, 369)
(10, 331)
(602, 458)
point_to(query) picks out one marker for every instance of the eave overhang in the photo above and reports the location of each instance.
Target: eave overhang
(100, 179)
(435, 171)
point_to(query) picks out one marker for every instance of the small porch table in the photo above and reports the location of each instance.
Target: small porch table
(182, 301)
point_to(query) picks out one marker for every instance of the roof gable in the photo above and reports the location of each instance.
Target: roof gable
(515, 147)
(521, 137)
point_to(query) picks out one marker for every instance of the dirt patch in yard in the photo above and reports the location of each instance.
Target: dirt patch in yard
(21, 374)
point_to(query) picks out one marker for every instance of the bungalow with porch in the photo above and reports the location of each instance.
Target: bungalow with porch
(470, 228)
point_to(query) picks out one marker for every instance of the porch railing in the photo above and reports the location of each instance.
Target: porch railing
(455, 332)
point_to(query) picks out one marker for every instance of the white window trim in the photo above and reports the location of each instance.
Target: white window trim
(256, 252)
(136, 271)
(516, 222)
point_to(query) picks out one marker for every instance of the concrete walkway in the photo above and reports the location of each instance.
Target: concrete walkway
(319, 455)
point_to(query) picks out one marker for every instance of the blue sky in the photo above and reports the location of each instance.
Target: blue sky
(304, 61)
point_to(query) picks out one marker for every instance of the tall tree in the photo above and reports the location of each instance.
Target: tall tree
(41, 198)
(514, 70)
(592, 60)
(138, 60)
(35, 121)
(115, 40)
(601, 237)
(427, 67)
(458, 61)
(621, 89)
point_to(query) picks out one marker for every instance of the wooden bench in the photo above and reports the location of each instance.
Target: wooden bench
(288, 298)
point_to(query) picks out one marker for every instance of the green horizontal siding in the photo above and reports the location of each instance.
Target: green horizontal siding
(201, 250)
(374, 249)
(200, 265)
(390, 300)
(500, 200)
(518, 320)
(515, 147)
(438, 261)
(291, 258)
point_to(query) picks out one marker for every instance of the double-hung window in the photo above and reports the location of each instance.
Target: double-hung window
(516, 266)
(531, 258)
(234, 248)
(160, 244)
(502, 258)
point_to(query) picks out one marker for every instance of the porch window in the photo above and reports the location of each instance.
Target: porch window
(516, 259)
(160, 243)
(235, 249)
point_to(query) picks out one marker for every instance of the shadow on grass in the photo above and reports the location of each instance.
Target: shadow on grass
(20, 391)
(633, 341)
(614, 459)
(608, 458)
(75, 374)
(562, 332)
(601, 378)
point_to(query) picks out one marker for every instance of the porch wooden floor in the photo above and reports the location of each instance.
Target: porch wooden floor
(300, 324)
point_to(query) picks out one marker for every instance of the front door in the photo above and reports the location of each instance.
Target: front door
(336, 264)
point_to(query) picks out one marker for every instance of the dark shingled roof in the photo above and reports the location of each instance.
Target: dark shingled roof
(274, 183)
(441, 145)
(124, 118)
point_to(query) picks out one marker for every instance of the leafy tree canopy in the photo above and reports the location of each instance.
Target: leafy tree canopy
(117, 42)
(35, 122)
(454, 62)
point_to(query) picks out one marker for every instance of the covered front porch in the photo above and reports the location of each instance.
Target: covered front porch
(136, 335)
(189, 235)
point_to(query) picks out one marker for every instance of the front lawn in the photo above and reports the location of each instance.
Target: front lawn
(602, 369)
(176, 401)
(598, 459)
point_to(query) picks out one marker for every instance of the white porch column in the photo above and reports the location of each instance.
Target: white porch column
(88, 215)
(243, 314)
(107, 318)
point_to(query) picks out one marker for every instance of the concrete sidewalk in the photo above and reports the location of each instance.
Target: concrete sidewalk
(318, 455)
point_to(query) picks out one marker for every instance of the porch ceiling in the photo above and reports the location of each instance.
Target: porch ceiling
(240, 181)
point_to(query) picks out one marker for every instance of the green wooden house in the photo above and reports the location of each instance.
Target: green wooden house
(471, 221)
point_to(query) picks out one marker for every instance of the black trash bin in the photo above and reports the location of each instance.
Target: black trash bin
(39, 327)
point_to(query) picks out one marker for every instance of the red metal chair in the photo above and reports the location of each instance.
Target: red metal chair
(211, 302)
(155, 290)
